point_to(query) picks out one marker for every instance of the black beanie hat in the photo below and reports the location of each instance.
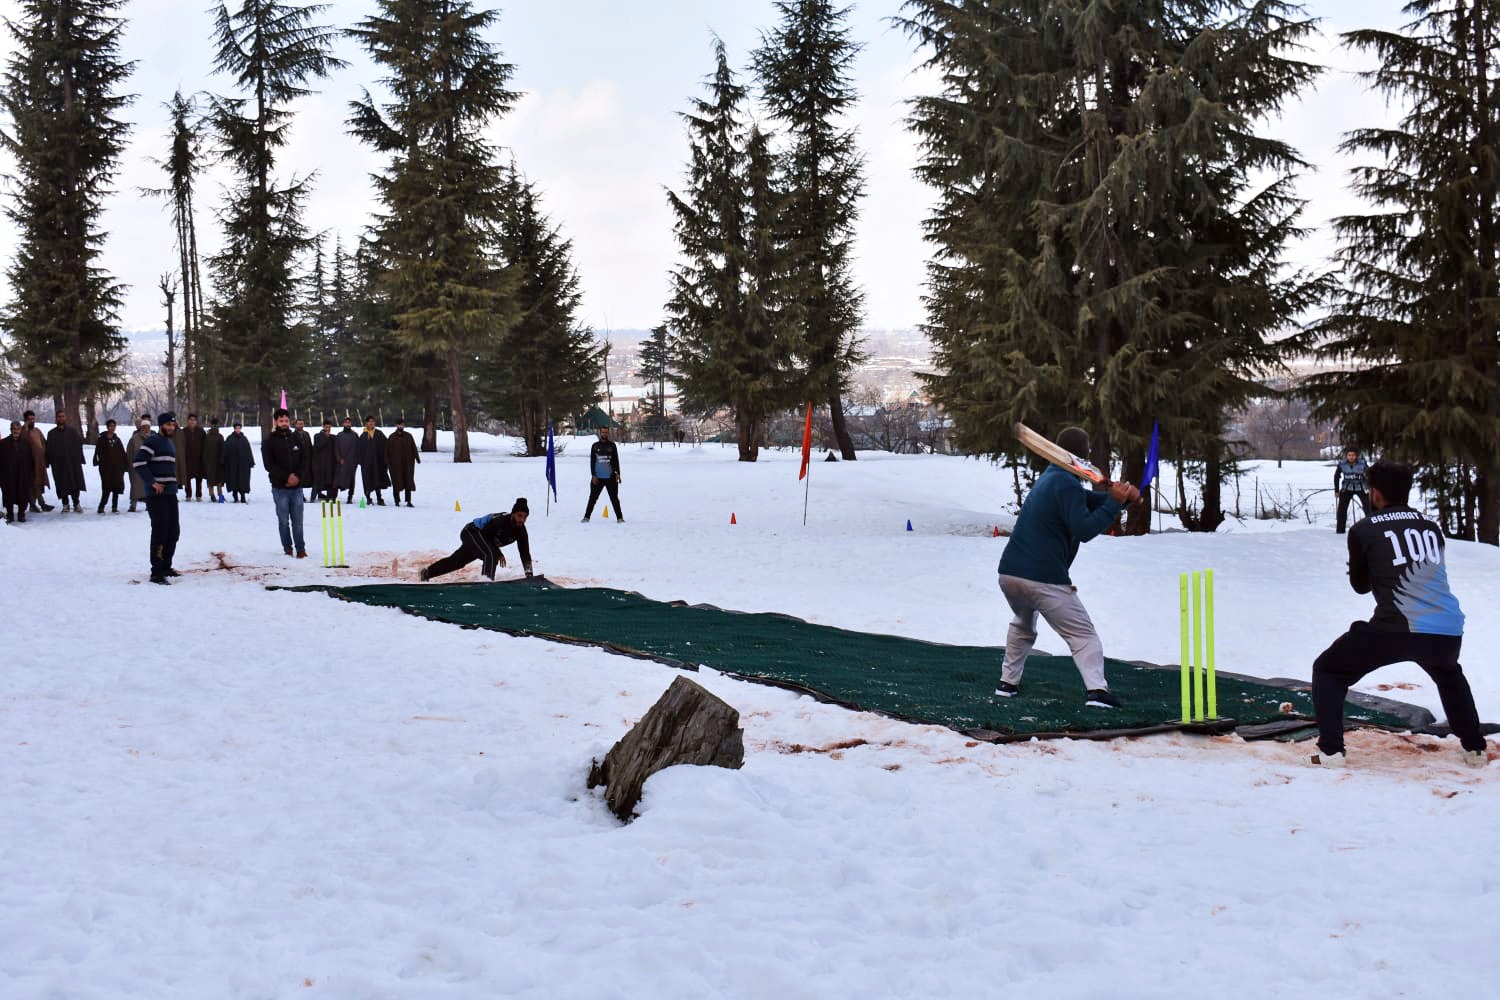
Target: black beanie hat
(1076, 440)
(520, 506)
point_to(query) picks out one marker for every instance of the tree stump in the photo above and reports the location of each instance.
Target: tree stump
(687, 725)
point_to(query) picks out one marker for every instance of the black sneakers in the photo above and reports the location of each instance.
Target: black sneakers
(1101, 698)
(161, 579)
(1006, 690)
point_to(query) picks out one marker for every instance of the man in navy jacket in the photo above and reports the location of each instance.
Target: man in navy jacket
(1057, 517)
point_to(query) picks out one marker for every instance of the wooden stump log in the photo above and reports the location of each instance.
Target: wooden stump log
(687, 725)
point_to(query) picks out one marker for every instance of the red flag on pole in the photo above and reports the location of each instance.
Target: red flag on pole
(806, 443)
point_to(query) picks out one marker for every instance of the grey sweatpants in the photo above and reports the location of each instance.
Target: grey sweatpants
(1059, 606)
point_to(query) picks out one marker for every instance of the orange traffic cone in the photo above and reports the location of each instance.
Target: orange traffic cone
(997, 532)
(731, 518)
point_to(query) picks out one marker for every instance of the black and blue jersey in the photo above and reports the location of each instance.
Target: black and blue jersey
(1400, 556)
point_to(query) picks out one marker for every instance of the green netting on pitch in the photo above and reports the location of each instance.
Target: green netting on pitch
(906, 678)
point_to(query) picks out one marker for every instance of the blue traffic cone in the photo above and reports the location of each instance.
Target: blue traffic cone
(908, 524)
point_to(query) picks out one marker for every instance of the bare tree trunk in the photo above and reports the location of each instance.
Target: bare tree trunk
(429, 422)
(1487, 487)
(840, 427)
(169, 294)
(91, 416)
(1212, 514)
(1137, 515)
(748, 430)
(456, 407)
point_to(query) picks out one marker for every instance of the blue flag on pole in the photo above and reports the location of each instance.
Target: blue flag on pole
(551, 463)
(1152, 455)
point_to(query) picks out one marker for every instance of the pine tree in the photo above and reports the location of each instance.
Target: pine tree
(1110, 228)
(546, 363)
(441, 193)
(183, 164)
(655, 366)
(804, 70)
(734, 320)
(1416, 313)
(272, 51)
(62, 98)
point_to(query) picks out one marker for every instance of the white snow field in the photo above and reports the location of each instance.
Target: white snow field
(216, 790)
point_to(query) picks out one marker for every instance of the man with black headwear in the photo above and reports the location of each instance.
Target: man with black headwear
(1059, 515)
(156, 464)
(482, 539)
(324, 462)
(238, 461)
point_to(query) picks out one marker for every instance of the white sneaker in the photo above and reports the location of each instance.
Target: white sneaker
(1321, 759)
(1475, 758)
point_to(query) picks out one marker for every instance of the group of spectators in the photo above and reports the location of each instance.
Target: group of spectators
(207, 461)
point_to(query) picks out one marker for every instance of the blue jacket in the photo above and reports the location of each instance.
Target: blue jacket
(156, 462)
(1058, 516)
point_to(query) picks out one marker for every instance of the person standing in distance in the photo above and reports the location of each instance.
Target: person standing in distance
(1058, 516)
(402, 456)
(1400, 557)
(65, 456)
(604, 474)
(482, 539)
(110, 457)
(1349, 483)
(286, 462)
(156, 464)
(299, 431)
(142, 432)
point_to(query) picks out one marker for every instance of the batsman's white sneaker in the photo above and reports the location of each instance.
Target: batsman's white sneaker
(1321, 759)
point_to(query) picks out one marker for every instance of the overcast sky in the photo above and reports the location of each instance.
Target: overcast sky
(599, 131)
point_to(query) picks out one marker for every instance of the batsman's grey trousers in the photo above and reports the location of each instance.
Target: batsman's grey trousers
(1059, 606)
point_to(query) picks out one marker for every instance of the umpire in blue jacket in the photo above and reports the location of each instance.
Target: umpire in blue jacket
(156, 465)
(1059, 515)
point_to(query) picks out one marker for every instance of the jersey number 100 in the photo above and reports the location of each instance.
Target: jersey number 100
(1421, 546)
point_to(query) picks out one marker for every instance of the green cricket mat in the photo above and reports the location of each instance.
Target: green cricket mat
(907, 679)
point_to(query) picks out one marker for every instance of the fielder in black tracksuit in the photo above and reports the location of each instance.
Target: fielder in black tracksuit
(483, 538)
(604, 474)
(1400, 556)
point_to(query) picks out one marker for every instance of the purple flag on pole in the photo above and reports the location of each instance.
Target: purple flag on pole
(1152, 455)
(551, 463)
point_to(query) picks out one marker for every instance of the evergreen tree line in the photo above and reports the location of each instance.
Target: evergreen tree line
(1108, 246)
(460, 299)
(764, 312)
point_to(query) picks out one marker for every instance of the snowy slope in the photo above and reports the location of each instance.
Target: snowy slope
(215, 790)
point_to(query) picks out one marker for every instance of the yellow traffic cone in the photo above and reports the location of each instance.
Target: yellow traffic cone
(456, 507)
(606, 512)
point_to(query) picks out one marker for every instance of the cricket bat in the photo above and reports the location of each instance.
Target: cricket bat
(1059, 456)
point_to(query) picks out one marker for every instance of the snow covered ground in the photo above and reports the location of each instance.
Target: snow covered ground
(215, 790)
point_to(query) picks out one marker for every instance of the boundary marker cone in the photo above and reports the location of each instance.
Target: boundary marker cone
(361, 503)
(606, 512)
(456, 507)
(908, 524)
(997, 532)
(731, 518)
